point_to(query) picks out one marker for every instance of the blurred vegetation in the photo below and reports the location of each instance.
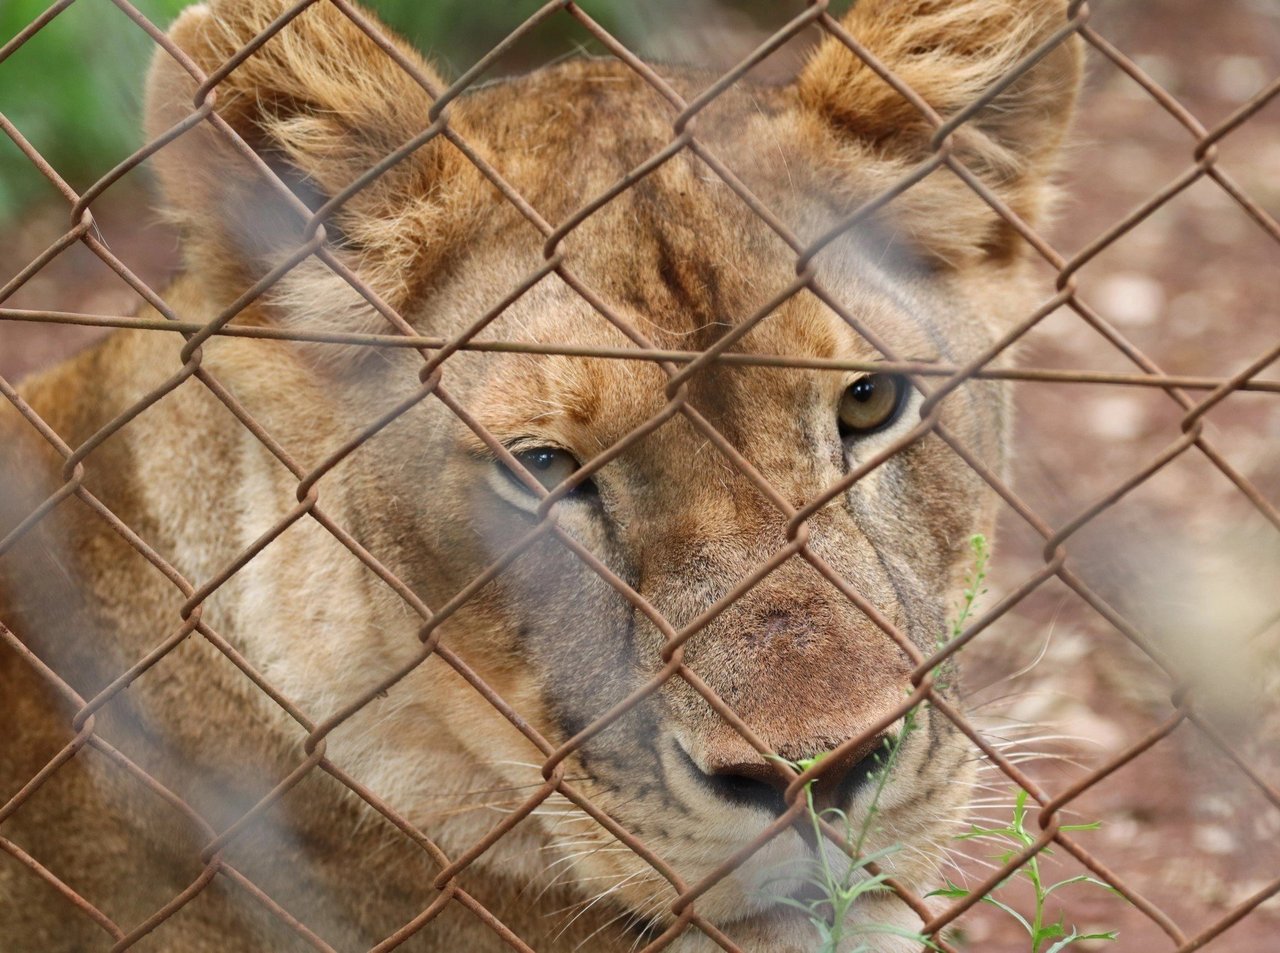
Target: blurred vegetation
(74, 90)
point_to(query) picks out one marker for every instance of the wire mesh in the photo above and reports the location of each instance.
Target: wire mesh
(1195, 397)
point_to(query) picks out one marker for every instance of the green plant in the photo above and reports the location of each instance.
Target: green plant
(1039, 927)
(974, 588)
(838, 892)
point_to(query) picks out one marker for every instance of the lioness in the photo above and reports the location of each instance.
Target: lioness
(434, 504)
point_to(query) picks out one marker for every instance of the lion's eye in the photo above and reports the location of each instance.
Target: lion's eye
(871, 403)
(550, 466)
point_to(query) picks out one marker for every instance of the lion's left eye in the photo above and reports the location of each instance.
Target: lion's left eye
(550, 466)
(871, 403)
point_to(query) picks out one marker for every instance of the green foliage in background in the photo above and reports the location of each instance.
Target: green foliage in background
(74, 90)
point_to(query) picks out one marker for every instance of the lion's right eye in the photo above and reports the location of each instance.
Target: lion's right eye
(871, 404)
(550, 466)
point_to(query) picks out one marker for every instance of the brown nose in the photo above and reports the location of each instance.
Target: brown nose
(758, 783)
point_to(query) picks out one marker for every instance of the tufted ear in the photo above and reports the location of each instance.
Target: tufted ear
(950, 52)
(321, 103)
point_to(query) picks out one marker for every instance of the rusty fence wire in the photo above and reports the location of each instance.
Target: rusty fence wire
(1195, 396)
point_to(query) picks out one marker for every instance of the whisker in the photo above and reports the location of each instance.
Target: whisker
(591, 902)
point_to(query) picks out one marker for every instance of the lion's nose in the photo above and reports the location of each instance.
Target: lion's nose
(751, 784)
(754, 782)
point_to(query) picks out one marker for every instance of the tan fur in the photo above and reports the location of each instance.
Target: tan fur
(949, 52)
(680, 258)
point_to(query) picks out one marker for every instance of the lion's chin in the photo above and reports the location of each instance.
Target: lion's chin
(777, 928)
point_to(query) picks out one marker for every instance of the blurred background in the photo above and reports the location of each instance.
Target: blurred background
(1185, 557)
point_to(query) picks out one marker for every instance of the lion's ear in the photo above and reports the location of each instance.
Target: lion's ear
(950, 52)
(320, 103)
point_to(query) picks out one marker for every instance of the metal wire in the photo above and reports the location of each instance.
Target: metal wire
(1194, 395)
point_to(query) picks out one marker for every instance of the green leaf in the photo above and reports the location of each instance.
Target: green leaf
(809, 908)
(1057, 928)
(952, 890)
(835, 812)
(1009, 910)
(1064, 942)
(1075, 937)
(1019, 810)
(885, 929)
(1082, 879)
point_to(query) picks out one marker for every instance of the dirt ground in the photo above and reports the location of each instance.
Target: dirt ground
(1184, 557)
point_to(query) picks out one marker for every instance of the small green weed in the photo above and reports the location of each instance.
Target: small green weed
(837, 893)
(1047, 936)
(974, 585)
(974, 589)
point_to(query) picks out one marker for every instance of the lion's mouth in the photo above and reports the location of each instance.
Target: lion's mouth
(760, 786)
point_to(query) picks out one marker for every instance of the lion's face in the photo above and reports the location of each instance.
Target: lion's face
(685, 537)
(710, 550)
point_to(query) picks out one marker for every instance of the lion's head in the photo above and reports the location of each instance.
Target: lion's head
(736, 524)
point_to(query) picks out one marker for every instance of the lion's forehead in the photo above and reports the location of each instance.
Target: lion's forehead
(566, 117)
(595, 401)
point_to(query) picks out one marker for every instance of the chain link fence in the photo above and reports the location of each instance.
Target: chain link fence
(1193, 396)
